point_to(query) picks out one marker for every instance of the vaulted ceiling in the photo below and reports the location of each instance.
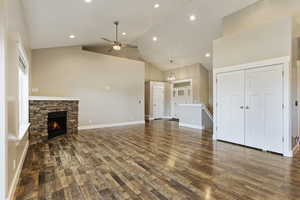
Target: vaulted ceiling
(51, 22)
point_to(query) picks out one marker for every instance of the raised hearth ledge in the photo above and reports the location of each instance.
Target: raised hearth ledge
(44, 98)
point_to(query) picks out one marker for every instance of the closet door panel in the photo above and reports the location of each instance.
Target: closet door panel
(230, 107)
(264, 113)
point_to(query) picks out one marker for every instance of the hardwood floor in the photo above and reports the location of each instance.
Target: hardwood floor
(157, 161)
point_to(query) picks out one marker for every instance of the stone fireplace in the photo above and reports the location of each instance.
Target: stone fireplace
(51, 117)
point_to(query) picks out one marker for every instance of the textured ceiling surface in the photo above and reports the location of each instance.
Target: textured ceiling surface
(186, 42)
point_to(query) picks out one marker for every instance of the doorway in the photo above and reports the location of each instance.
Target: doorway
(182, 93)
(158, 101)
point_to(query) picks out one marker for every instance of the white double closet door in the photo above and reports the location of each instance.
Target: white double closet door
(250, 107)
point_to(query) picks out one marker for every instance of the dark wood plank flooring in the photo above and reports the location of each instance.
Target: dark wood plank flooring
(156, 161)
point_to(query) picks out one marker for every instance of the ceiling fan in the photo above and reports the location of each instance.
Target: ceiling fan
(117, 45)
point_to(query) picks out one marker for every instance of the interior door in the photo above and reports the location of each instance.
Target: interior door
(264, 110)
(158, 102)
(230, 107)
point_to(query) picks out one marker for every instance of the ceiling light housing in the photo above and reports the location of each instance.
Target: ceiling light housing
(156, 5)
(124, 33)
(88, 1)
(207, 55)
(192, 17)
(72, 36)
(117, 47)
(154, 38)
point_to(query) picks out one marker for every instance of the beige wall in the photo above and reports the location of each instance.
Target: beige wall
(111, 89)
(256, 44)
(200, 78)
(152, 73)
(130, 53)
(295, 81)
(261, 13)
(17, 32)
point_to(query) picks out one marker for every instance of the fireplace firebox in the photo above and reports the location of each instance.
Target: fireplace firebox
(57, 124)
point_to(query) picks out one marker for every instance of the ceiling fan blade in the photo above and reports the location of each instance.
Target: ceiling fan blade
(107, 40)
(130, 46)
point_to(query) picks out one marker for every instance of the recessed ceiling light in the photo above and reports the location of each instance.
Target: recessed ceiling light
(123, 33)
(192, 17)
(154, 38)
(207, 55)
(156, 5)
(88, 1)
(72, 36)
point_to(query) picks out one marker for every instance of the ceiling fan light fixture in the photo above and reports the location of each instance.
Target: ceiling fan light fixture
(117, 47)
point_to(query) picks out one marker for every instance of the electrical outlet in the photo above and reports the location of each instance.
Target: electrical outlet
(107, 88)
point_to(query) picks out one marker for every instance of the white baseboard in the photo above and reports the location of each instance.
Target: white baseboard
(167, 117)
(152, 118)
(288, 154)
(15, 181)
(110, 125)
(191, 126)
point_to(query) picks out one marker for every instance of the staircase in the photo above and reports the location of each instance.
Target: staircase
(207, 119)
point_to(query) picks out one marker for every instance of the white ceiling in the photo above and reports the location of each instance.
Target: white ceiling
(52, 21)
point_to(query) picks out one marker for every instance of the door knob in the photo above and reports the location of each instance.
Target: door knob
(241, 107)
(247, 107)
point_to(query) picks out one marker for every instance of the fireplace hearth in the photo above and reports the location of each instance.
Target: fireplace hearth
(57, 124)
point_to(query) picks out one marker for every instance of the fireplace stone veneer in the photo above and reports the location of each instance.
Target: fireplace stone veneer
(40, 107)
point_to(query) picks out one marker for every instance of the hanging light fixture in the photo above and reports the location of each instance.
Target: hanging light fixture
(171, 76)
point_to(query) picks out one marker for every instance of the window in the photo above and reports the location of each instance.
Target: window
(180, 92)
(23, 93)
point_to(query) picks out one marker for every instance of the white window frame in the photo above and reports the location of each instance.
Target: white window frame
(23, 70)
(3, 137)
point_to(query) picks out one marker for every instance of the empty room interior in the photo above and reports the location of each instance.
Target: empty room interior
(149, 100)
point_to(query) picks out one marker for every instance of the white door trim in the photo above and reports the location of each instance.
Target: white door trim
(172, 111)
(3, 161)
(285, 61)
